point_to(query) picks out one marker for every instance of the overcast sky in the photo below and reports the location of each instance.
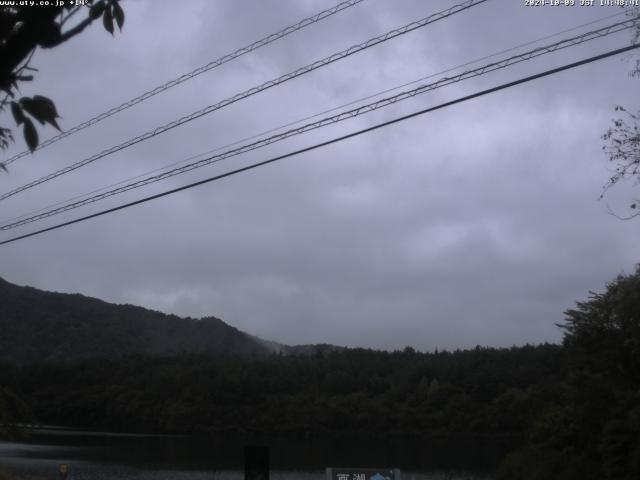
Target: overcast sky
(476, 224)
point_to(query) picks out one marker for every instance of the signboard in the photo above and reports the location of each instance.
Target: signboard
(363, 474)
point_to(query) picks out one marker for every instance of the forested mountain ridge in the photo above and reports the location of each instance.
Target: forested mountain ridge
(36, 325)
(575, 406)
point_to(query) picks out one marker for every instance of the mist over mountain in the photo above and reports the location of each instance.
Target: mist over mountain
(36, 325)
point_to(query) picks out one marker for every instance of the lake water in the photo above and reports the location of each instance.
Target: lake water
(102, 456)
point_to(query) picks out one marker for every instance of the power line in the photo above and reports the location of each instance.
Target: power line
(329, 142)
(252, 91)
(544, 50)
(310, 117)
(334, 119)
(188, 76)
(289, 124)
(295, 122)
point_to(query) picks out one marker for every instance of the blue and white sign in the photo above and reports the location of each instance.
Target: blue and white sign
(363, 474)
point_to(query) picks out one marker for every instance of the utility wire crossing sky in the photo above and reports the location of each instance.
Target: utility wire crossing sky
(600, 33)
(252, 91)
(192, 74)
(335, 140)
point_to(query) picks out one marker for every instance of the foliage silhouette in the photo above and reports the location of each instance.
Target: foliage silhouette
(25, 28)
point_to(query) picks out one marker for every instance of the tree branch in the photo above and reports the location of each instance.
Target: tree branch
(74, 31)
(71, 14)
(611, 212)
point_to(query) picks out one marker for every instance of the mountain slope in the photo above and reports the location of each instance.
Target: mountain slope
(39, 326)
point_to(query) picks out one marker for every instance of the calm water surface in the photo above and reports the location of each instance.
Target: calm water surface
(98, 456)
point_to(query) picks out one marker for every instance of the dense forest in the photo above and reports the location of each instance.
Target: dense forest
(573, 410)
(354, 391)
(594, 432)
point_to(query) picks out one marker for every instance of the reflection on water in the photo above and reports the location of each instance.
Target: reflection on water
(97, 456)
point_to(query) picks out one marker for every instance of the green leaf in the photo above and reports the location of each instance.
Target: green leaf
(48, 109)
(30, 134)
(5, 137)
(107, 20)
(28, 105)
(96, 10)
(118, 14)
(41, 108)
(18, 115)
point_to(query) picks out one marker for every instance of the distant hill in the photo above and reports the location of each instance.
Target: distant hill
(40, 326)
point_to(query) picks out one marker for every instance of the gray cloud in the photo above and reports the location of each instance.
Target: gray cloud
(477, 224)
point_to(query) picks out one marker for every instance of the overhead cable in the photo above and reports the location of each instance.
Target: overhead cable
(329, 142)
(252, 91)
(188, 76)
(602, 32)
(304, 119)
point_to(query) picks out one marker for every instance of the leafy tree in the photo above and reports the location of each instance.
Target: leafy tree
(604, 332)
(22, 30)
(623, 149)
(593, 431)
(623, 139)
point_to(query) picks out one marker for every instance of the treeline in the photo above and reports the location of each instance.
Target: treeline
(576, 407)
(484, 390)
(593, 432)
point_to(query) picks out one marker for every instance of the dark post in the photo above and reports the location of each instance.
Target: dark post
(63, 471)
(256, 463)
